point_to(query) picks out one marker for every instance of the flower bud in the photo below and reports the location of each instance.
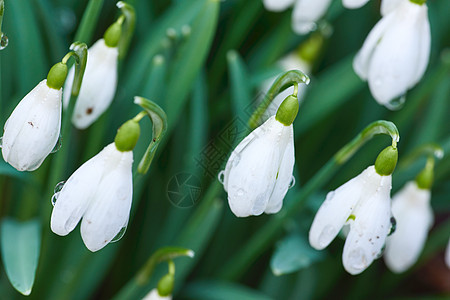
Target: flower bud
(112, 35)
(165, 285)
(425, 178)
(127, 136)
(57, 75)
(287, 111)
(386, 161)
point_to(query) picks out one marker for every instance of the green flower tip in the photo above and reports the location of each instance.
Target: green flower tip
(386, 161)
(112, 35)
(287, 111)
(310, 49)
(57, 75)
(419, 2)
(165, 285)
(127, 136)
(425, 178)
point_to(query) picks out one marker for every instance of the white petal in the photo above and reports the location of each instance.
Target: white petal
(154, 295)
(362, 59)
(284, 175)
(76, 194)
(277, 5)
(412, 211)
(335, 210)
(306, 13)
(424, 45)
(371, 226)
(252, 173)
(32, 130)
(98, 87)
(354, 3)
(110, 207)
(388, 6)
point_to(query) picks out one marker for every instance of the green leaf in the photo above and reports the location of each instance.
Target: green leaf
(294, 253)
(220, 290)
(20, 245)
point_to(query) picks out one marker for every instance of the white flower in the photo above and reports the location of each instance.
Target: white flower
(100, 192)
(412, 211)
(154, 295)
(259, 170)
(447, 255)
(355, 3)
(364, 204)
(291, 61)
(389, 5)
(32, 130)
(98, 86)
(307, 12)
(395, 55)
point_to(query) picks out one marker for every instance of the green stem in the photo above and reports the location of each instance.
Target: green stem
(430, 150)
(260, 241)
(128, 27)
(293, 77)
(2, 10)
(89, 21)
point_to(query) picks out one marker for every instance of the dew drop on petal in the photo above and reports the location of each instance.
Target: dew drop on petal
(357, 259)
(120, 234)
(397, 103)
(54, 198)
(380, 254)
(57, 145)
(3, 41)
(292, 183)
(393, 226)
(1, 141)
(57, 191)
(327, 235)
(240, 193)
(221, 176)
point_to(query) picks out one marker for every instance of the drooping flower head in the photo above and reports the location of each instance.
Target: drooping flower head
(259, 170)
(32, 130)
(395, 54)
(363, 203)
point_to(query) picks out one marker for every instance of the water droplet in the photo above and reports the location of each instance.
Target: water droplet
(57, 191)
(221, 176)
(240, 192)
(1, 142)
(292, 183)
(327, 235)
(55, 198)
(393, 226)
(3, 41)
(357, 259)
(57, 145)
(120, 234)
(397, 103)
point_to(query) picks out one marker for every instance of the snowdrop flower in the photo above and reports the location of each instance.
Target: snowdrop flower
(364, 204)
(412, 211)
(395, 55)
(100, 192)
(32, 130)
(99, 81)
(307, 12)
(259, 171)
(154, 295)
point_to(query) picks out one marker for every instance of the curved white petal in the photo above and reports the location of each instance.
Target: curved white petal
(154, 295)
(388, 6)
(32, 130)
(251, 177)
(362, 59)
(424, 46)
(76, 194)
(306, 13)
(277, 5)
(412, 211)
(354, 3)
(110, 207)
(371, 226)
(284, 175)
(335, 210)
(98, 86)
